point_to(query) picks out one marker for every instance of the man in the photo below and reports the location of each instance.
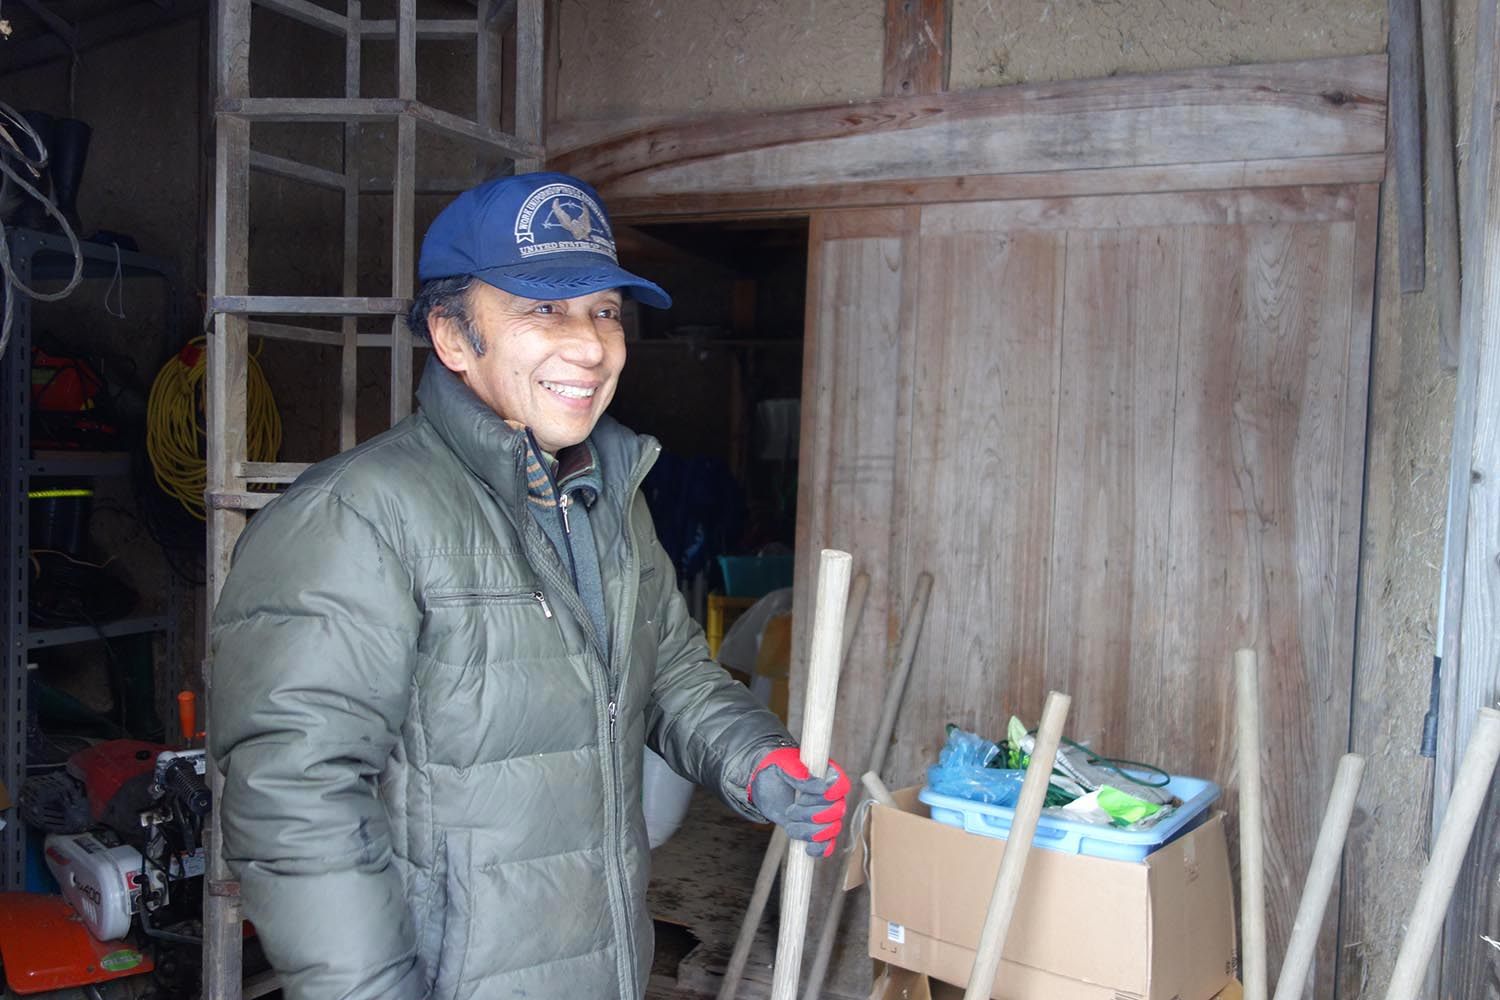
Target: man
(438, 657)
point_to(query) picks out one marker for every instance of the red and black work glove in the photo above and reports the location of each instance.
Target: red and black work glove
(809, 809)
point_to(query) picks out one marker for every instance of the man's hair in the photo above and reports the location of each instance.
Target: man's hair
(446, 297)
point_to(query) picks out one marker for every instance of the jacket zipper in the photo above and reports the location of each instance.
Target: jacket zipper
(615, 824)
(490, 597)
(614, 673)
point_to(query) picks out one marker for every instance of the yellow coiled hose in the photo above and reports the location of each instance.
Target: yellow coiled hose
(175, 438)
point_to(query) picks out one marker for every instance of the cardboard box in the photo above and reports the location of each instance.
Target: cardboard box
(893, 983)
(1084, 928)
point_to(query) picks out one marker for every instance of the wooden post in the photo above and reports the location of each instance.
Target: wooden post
(1470, 787)
(895, 688)
(530, 48)
(1406, 146)
(917, 47)
(349, 325)
(1325, 866)
(403, 209)
(776, 849)
(817, 731)
(1442, 179)
(1252, 829)
(223, 959)
(1017, 847)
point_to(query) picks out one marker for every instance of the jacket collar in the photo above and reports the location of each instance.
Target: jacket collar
(496, 452)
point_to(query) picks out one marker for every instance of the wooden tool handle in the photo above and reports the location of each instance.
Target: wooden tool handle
(1320, 875)
(1017, 847)
(817, 732)
(833, 916)
(776, 851)
(876, 788)
(1252, 829)
(769, 864)
(1470, 785)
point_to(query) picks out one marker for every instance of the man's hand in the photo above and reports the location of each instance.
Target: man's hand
(809, 809)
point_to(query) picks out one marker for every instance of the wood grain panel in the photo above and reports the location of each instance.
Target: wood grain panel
(1109, 556)
(854, 378)
(1471, 966)
(980, 510)
(1260, 483)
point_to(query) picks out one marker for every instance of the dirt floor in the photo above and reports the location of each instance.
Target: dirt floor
(701, 881)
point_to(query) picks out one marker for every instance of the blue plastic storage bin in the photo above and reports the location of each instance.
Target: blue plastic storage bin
(755, 576)
(1076, 837)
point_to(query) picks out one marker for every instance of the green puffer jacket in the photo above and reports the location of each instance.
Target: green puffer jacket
(433, 781)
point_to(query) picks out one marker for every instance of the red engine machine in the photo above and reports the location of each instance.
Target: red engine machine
(123, 824)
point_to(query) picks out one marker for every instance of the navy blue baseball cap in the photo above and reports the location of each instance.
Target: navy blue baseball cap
(541, 236)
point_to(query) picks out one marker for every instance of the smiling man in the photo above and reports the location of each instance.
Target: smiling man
(438, 656)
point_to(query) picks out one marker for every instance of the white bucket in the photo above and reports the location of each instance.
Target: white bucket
(665, 795)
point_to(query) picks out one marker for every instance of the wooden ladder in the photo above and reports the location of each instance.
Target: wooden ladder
(237, 314)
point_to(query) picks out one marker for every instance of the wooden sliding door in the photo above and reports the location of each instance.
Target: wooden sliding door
(1126, 435)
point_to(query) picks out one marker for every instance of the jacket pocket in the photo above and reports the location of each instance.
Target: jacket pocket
(460, 625)
(469, 598)
(452, 920)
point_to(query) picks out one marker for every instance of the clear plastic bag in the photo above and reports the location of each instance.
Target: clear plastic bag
(962, 770)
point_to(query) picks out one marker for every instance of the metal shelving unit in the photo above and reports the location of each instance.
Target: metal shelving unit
(46, 257)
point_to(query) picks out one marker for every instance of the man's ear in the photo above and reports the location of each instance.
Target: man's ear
(449, 343)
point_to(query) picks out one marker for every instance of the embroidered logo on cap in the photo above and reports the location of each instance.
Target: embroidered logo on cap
(560, 218)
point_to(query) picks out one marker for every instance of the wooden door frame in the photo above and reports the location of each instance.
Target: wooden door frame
(1271, 125)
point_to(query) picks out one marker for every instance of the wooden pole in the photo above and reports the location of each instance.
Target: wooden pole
(1442, 179)
(1252, 851)
(911, 630)
(1470, 787)
(776, 849)
(1017, 847)
(1325, 865)
(817, 731)
(876, 789)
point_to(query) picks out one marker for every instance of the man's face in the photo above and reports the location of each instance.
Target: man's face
(551, 364)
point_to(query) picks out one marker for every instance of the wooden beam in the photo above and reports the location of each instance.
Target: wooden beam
(917, 47)
(309, 13)
(1192, 120)
(1442, 176)
(449, 29)
(296, 334)
(1234, 175)
(281, 166)
(239, 500)
(1406, 143)
(363, 109)
(270, 472)
(307, 305)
